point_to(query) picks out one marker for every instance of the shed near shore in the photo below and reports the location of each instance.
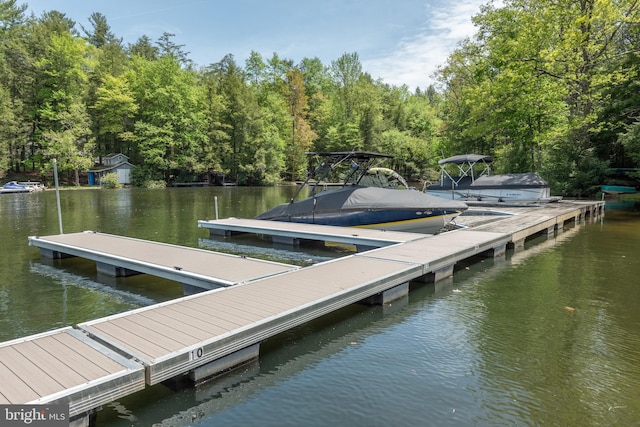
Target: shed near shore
(113, 163)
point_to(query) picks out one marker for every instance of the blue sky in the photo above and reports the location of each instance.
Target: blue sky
(401, 41)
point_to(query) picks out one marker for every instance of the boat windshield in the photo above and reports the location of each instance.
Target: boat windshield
(383, 178)
(350, 168)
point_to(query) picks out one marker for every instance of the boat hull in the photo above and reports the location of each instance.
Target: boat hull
(370, 207)
(425, 222)
(493, 194)
(14, 187)
(617, 189)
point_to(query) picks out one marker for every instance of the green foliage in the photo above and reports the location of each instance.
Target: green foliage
(544, 85)
(532, 87)
(110, 180)
(145, 175)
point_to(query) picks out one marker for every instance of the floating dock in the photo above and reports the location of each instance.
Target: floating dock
(195, 269)
(204, 334)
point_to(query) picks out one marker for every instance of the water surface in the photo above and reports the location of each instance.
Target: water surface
(546, 336)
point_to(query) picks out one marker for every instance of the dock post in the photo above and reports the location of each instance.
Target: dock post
(285, 240)
(436, 276)
(443, 273)
(192, 290)
(498, 251)
(551, 231)
(114, 271)
(224, 364)
(55, 177)
(518, 245)
(51, 254)
(388, 296)
(87, 419)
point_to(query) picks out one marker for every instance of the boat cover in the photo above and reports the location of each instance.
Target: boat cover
(355, 197)
(511, 180)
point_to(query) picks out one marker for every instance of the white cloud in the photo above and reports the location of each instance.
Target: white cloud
(417, 57)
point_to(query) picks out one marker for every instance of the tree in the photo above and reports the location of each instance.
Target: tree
(346, 72)
(170, 126)
(64, 125)
(302, 136)
(115, 107)
(13, 83)
(530, 87)
(144, 49)
(110, 60)
(167, 47)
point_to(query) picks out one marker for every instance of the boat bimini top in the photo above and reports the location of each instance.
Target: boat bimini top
(465, 164)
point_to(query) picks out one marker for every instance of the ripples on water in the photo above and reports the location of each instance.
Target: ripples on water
(546, 336)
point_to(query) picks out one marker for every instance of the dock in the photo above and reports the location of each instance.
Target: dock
(203, 334)
(195, 269)
(294, 234)
(65, 366)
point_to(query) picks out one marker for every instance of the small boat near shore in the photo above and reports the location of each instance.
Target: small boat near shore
(20, 187)
(617, 189)
(368, 197)
(473, 181)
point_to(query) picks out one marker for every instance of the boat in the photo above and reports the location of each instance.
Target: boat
(473, 181)
(368, 197)
(16, 187)
(617, 189)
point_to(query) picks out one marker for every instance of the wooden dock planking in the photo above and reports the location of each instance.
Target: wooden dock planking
(50, 365)
(180, 324)
(442, 250)
(64, 366)
(15, 387)
(88, 368)
(219, 313)
(213, 324)
(327, 286)
(195, 267)
(141, 347)
(25, 366)
(526, 221)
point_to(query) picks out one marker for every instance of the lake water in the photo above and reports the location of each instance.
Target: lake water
(547, 336)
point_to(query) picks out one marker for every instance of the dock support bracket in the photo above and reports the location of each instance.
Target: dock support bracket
(188, 289)
(220, 233)
(224, 364)
(51, 254)
(498, 251)
(436, 276)
(114, 271)
(518, 245)
(388, 296)
(284, 240)
(551, 232)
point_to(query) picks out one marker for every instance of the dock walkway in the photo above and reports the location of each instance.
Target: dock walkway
(195, 269)
(65, 366)
(207, 333)
(294, 233)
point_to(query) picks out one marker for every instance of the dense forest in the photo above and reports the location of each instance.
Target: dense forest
(544, 85)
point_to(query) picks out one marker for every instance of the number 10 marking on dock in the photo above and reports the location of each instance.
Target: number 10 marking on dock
(196, 354)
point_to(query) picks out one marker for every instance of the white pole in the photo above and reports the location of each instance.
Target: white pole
(215, 199)
(55, 178)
